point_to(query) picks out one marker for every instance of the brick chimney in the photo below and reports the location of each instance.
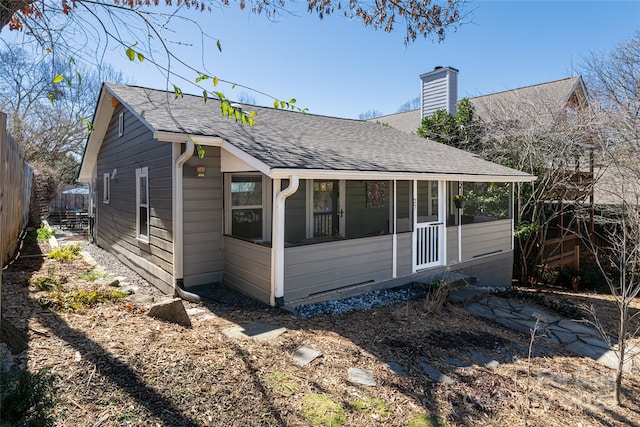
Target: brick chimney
(439, 90)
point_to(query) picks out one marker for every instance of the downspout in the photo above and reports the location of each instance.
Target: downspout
(277, 240)
(178, 227)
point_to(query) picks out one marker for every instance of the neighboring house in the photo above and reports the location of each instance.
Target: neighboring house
(296, 208)
(543, 106)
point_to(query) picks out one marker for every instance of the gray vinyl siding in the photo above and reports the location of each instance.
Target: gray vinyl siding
(485, 238)
(295, 216)
(405, 262)
(247, 267)
(203, 220)
(361, 220)
(116, 221)
(321, 267)
(452, 245)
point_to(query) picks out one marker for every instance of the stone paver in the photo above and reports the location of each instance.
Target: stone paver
(486, 361)
(257, 331)
(141, 298)
(361, 376)
(171, 310)
(457, 363)
(435, 375)
(396, 369)
(305, 355)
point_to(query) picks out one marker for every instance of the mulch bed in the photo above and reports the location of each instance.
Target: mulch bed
(116, 366)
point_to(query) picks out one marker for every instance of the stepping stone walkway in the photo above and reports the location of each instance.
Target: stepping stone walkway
(361, 376)
(580, 339)
(256, 331)
(305, 355)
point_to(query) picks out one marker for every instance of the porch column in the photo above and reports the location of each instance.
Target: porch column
(277, 237)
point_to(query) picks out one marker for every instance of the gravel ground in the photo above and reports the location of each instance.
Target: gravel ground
(112, 265)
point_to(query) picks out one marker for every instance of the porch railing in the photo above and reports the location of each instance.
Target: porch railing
(428, 245)
(322, 224)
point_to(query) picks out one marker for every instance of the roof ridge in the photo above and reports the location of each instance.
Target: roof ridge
(524, 87)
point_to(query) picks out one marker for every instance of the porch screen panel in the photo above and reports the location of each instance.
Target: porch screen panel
(486, 201)
(368, 208)
(427, 201)
(403, 208)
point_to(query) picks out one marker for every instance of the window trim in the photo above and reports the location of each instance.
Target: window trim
(106, 188)
(142, 172)
(121, 123)
(265, 206)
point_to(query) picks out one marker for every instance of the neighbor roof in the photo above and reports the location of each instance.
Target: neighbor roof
(544, 102)
(284, 139)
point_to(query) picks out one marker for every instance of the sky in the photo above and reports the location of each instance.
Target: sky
(339, 67)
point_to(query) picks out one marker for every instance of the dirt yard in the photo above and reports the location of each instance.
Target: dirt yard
(115, 366)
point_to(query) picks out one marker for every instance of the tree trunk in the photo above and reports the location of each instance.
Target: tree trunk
(622, 343)
(14, 338)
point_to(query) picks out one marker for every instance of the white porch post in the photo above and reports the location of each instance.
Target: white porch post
(442, 216)
(394, 241)
(459, 215)
(277, 237)
(414, 215)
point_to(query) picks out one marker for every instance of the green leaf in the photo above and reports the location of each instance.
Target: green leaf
(215, 81)
(224, 108)
(200, 150)
(177, 91)
(276, 104)
(292, 101)
(71, 60)
(140, 57)
(79, 76)
(130, 54)
(205, 95)
(50, 96)
(219, 45)
(57, 79)
(253, 114)
(233, 86)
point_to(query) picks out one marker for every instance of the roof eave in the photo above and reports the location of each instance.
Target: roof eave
(283, 173)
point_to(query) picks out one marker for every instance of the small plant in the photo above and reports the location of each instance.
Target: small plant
(436, 297)
(426, 420)
(81, 300)
(94, 274)
(373, 406)
(460, 198)
(565, 308)
(320, 411)
(44, 233)
(66, 253)
(283, 382)
(26, 399)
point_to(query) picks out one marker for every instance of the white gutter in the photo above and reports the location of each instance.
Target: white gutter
(178, 222)
(372, 175)
(277, 240)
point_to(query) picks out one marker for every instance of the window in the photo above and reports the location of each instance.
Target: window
(246, 206)
(142, 203)
(486, 201)
(106, 188)
(121, 123)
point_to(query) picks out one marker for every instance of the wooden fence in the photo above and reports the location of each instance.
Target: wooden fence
(16, 179)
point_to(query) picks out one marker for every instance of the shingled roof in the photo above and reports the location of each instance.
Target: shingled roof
(542, 102)
(284, 139)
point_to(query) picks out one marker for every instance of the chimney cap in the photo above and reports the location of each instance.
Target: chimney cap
(439, 69)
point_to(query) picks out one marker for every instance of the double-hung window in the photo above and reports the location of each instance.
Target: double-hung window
(142, 204)
(246, 206)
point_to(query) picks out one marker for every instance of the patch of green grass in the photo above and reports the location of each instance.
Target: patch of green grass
(81, 300)
(373, 406)
(27, 399)
(47, 283)
(94, 274)
(321, 411)
(44, 233)
(66, 253)
(426, 420)
(283, 382)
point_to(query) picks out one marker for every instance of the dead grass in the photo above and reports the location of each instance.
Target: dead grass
(116, 366)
